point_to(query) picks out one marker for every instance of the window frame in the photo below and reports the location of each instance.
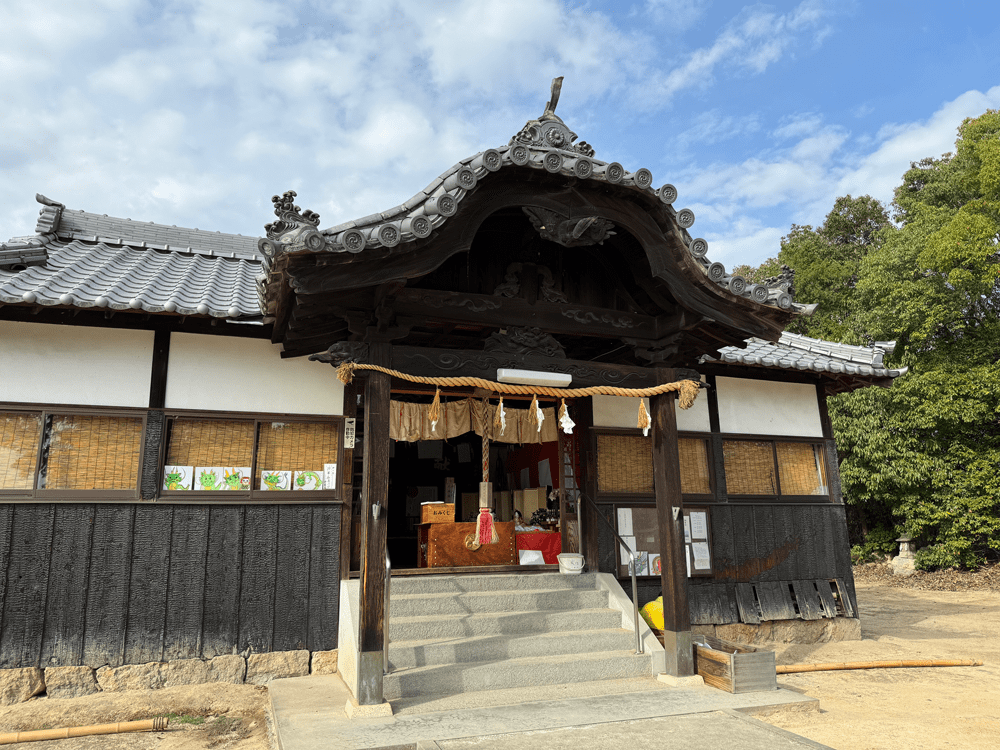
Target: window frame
(253, 495)
(45, 411)
(639, 497)
(778, 496)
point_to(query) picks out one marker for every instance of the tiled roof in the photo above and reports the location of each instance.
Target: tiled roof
(97, 261)
(795, 352)
(544, 144)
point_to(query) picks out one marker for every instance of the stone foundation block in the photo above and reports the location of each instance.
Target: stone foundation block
(131, 677)
(17, 685)
(323, 662)
(229, 668)
(792, 631)
(70, 682)
(185, 672)
(262, 668)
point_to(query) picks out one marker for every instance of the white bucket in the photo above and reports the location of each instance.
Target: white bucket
(570, 563)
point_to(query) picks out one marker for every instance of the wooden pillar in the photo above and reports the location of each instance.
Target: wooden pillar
(667, 486)
(374, 530)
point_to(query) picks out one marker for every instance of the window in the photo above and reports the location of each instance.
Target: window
(775, 468)
(59, 453)
(258, 458)
(625, 465)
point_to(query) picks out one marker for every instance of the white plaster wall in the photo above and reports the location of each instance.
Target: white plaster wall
(622, 411)
(764, 407)
(219, 373)
(56, 364)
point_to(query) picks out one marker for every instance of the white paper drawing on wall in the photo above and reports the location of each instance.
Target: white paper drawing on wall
(687, 529)
(178, 477)
(329, 476)
(275, 480)
(208, 478)
(307, 480)
(642, 564)
(236, 478)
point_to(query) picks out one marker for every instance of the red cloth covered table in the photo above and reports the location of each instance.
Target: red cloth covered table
(549, 542)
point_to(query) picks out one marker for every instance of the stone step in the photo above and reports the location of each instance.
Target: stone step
(408, 654)
(439, 584)
(415, 605)
(557, 669)
(433, 627)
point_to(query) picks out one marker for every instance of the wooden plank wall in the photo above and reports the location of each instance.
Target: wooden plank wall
(757, 544)
(769, 543)
(99, 584)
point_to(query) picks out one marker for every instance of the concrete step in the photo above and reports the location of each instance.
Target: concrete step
(436, 627)
(415, 605)
(511, 673)
(439, 584)
(408, 654)
(486, 699)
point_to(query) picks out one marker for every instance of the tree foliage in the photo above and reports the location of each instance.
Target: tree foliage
(924, 455)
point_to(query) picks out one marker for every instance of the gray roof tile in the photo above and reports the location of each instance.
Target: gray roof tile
(796, 352)
(84, 274)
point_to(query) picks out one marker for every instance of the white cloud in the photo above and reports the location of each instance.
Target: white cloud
(755, 39)
(806, 177)
(675, 15)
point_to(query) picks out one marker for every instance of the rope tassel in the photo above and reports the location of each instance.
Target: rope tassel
(644, 422)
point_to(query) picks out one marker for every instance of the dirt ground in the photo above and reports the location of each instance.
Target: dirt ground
(945, 615)
(883, 709)
(218, 716)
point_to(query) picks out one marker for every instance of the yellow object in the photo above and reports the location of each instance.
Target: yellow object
(652, 613)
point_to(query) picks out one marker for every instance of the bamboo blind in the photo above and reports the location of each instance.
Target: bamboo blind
(92, 453)
(210, 442)
(624, 463)
(694, 466)
(297, 446)
(19, 435)
(749, 467)
(801, 469)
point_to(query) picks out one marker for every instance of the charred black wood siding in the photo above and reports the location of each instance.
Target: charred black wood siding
(756, 544)
(116, 584)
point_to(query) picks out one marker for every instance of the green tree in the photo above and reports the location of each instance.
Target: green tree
(827, 262)
(924, 455)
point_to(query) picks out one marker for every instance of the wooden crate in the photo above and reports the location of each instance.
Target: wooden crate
(437, 513)
(735, 668)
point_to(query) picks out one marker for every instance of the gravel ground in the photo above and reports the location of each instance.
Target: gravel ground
(942, 615)
(985, 579)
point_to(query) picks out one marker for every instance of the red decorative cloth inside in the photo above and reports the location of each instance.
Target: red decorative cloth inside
(549, 542)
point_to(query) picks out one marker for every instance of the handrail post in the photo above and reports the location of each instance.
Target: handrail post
(631, 568)
(385, 618)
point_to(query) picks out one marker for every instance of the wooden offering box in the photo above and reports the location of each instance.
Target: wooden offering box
(733, 667)
(437, 513)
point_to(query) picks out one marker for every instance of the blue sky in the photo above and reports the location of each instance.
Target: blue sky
(196, 113)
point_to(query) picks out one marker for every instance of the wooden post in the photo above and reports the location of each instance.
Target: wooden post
(374, 530)
(667, 486)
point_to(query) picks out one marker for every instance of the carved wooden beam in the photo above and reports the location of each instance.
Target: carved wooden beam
(568, 318)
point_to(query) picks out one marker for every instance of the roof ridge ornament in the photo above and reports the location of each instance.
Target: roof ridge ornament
(549, 131)
(290, 216)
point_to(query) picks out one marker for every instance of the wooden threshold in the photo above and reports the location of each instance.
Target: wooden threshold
(471, 569)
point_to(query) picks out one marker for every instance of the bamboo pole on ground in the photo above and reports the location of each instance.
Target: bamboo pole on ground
(891, 664)
(158, 724)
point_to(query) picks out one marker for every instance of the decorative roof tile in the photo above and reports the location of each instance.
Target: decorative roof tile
(796, 352)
